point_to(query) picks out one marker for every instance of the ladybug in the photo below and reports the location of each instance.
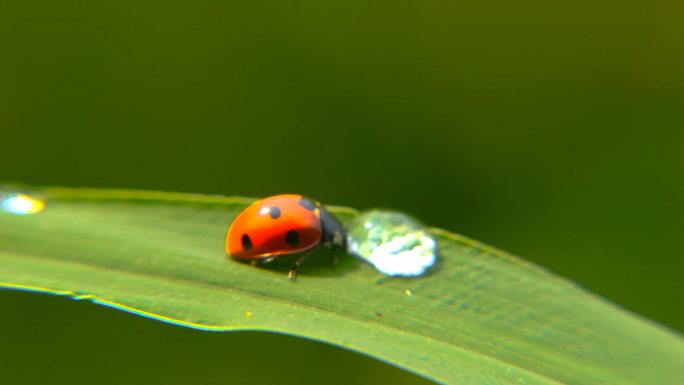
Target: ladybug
(283, 225)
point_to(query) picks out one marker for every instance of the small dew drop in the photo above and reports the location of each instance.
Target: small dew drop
(20, 204)
(248, 314)
(80, 295)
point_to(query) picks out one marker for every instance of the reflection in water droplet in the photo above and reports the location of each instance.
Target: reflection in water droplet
(394, 243)
(20, 204)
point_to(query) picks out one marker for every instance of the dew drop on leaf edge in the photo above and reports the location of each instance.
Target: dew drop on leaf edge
(20, 203)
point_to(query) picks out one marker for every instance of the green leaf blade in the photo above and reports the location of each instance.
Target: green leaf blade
(481, 316)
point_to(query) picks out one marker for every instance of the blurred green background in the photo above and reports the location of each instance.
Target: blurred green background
(554, 130)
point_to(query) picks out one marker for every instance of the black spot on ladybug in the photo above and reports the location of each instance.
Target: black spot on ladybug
(307, 204)
(246, 242)
(274, 212)
(292, 238)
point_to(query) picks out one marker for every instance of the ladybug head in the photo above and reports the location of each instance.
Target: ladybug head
(334, 235)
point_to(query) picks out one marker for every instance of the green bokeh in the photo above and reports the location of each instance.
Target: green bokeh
(554, 130)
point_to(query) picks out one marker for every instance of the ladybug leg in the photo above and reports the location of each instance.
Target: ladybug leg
(293, 270)
(333, 254)
(259, 262)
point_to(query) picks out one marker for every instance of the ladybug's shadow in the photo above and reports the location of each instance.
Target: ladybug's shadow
(318, 264)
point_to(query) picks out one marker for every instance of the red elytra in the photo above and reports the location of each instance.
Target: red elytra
(281, 225)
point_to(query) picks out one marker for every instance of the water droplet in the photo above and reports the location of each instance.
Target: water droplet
(20, 204)
(394, 243)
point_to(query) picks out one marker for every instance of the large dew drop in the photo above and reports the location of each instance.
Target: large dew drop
(394, 243)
